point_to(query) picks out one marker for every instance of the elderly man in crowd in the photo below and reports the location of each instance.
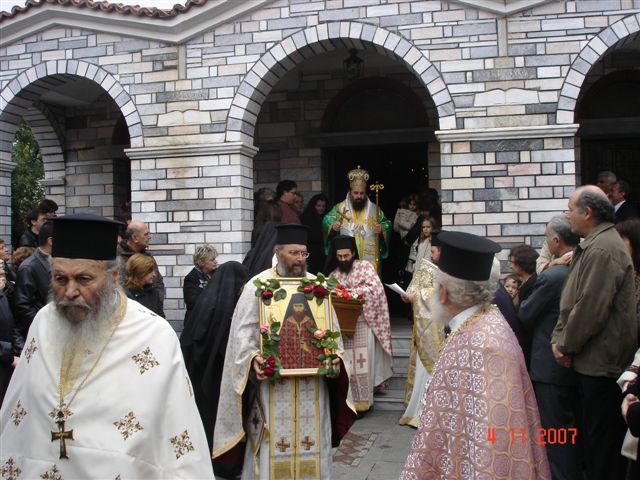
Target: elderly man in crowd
(91, 392)
(597, 331)
(480, 396)
(291, 424)
(136, 240)
(555, 385)
(368, 351)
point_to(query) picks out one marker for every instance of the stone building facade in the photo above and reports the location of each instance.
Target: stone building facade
(187, 112)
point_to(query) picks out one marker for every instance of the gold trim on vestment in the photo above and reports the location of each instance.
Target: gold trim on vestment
(238, 437)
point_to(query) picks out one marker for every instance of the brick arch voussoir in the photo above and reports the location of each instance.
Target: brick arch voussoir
(592, 52)
(318, 39)
(83, 69)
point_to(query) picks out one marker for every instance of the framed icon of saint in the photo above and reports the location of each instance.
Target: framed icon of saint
(291, 327)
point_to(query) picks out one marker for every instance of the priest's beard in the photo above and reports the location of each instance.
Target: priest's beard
(76, 339)
(297, 269)
(345, 265)
(438, 312)
(358, 204)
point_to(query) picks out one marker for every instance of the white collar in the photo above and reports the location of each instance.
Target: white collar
(459, 319)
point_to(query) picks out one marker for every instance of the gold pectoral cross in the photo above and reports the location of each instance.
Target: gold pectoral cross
(62, 435)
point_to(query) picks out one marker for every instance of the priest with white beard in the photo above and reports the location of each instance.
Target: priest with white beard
(480, 418)
(100, 390)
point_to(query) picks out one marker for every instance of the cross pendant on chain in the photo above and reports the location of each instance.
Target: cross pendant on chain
(62, 435)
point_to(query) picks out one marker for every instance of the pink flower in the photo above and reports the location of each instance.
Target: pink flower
(264, 329)
(267, 294)
(327, 351)
(271, 361)
(308, 289)
(319, 334)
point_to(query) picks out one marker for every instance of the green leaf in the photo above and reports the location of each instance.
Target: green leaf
(259, 292)
(319, 300)
(323, 370)
(335, 335)
(275, 338)
(322, 357)
(280, 294)
(266, 301)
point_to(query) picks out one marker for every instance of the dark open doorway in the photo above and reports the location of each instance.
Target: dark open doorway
(402, 169)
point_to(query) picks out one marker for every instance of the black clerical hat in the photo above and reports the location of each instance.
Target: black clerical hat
(85, 235)
(467, 256)
(289, 233)
(345, 241)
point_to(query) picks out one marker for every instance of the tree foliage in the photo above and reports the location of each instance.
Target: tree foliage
(27, 189)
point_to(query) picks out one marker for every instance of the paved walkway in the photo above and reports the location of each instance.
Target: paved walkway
(374, 449)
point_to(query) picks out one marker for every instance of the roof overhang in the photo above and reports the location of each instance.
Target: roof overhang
(503, 7)
(176, 29)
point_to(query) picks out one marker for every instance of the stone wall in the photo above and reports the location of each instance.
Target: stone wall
(504, 88)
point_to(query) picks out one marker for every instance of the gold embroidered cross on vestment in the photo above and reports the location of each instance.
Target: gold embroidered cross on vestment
(68, 375)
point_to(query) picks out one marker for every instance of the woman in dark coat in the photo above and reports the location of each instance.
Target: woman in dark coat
(197, 279)
(204, 339)
(312, 218)
(11, 342)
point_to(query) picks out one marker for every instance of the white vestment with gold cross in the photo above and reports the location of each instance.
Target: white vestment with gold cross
(133, 417)
(288, 427)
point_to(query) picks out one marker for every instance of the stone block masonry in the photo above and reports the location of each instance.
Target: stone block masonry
(190, 125)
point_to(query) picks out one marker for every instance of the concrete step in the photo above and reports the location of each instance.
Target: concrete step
(398, 381)
(391, 400)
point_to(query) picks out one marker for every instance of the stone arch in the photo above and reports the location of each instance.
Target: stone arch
(293, 50)
(50, 137)
(588, 56)
(26, 87)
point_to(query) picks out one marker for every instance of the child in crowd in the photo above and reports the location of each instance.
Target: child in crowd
(512, 284)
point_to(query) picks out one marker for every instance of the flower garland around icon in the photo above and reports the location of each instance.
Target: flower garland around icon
(325, 341)
(269, 289)
(317, 288)
(271, 365)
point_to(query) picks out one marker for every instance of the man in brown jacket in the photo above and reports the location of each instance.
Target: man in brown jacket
(597, 331)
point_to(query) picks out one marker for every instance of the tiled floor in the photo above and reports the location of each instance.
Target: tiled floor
(374, 449)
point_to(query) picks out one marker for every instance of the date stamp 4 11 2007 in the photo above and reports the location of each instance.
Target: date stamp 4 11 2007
(544, 436)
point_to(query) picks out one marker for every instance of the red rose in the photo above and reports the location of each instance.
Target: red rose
(271, 361)
(308, 289)
(267, 294)
(319, 291)
(269, 371)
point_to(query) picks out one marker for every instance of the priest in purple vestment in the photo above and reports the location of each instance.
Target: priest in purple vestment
(480, 418)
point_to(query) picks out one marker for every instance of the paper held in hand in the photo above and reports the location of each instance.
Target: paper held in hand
(396, 288)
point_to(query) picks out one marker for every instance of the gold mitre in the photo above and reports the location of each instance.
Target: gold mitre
(358, 177)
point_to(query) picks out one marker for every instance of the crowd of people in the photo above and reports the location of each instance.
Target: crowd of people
(529, 375)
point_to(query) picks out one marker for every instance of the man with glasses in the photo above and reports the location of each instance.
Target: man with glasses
(291, 424)
(368, 351)
(597, 331)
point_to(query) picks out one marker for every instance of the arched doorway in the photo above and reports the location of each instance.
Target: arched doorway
(607, 108)
(82, 133)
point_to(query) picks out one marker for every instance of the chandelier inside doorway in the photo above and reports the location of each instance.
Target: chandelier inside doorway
(353, 66)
